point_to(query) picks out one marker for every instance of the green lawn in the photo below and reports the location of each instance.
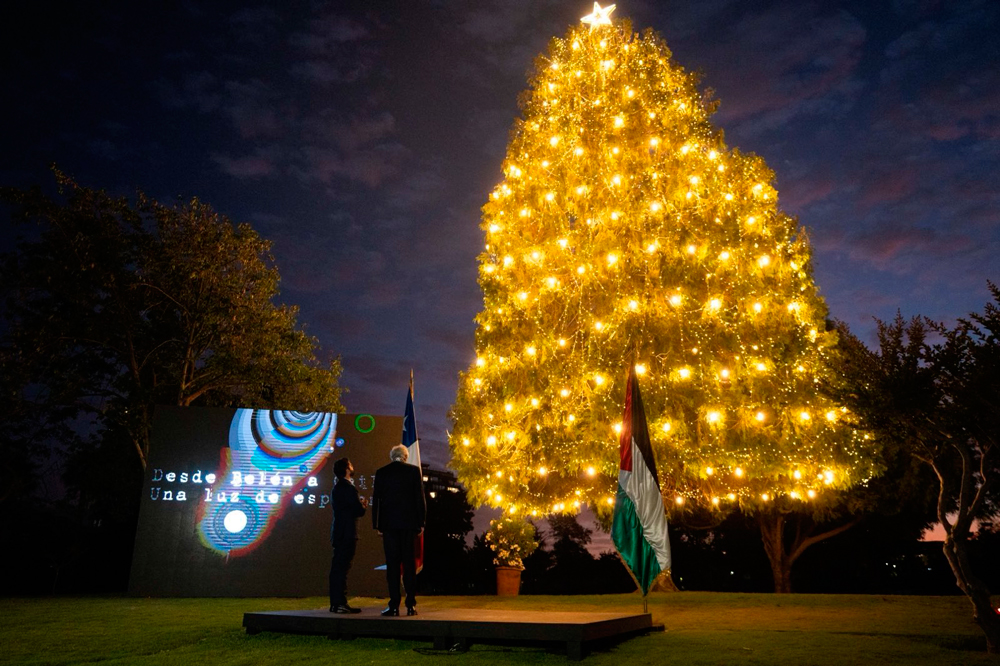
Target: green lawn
(702, 628)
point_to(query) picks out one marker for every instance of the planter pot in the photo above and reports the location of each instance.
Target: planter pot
(508, 581)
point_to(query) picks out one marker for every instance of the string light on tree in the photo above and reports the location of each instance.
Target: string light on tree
(624, 230)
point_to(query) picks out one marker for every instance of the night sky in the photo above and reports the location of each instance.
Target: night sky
(363, 138)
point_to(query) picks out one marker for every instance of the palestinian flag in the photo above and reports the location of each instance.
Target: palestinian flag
(639, 525)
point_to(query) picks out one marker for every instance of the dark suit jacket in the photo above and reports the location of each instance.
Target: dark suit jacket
(398, 498)
(346, 511)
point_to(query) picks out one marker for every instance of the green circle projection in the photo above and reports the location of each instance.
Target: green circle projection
(371, 422)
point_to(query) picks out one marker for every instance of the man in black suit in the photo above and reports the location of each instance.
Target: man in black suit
(348, 506)
(398, 513)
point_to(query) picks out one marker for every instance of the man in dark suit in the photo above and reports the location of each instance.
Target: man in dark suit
(398, 513)
(348, 506)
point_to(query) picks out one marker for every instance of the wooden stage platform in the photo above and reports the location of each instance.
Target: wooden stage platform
(458, 628)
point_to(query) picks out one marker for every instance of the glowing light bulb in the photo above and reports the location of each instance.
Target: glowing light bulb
(571, 418)
(692, 249)
(542, 471)
(724, 373)
(729, 197)
(511, 435)
(508, 260)
(651, 248)
(617, 180)
(480, 362)
(714, 417)
(549, 196)
(709, 471)
(617, 428)
(723, 255)
(757, 307)
(715, 304)
(731, 497)
(564, 392)
(534, 402)
(694, 180)
(666, 427)
(599, 325)
(523, 295)
(509, 407)
(477, 381)
(831, 415)
(804, 415)
(761, 416)
(679, 500)
(562, 342)
(562, 242)
(612, 259)
(591, 471)
(581, 269)
(554, 141)
(599, 380)
(655, 206)
(619, 121)
(765, 496)
(811, 493)
(797, 474)
(675, 299)
(712, 154)
(531, 351)
(761, 367)
(551, 281)
(654, 142)
(751, 219)
(640, 369)
(491, 441)
(715, 501)
(633, 305)
(764, 260)
(684, 373)
(738, 472)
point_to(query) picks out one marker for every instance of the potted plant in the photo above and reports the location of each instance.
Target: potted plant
(511, 541)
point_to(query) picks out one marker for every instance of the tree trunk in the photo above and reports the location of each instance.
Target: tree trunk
(772, 533)
(983, 612)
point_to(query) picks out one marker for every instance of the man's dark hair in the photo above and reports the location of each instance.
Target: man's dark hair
(340, 468)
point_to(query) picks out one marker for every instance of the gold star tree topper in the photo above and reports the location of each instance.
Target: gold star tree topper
(600, 16)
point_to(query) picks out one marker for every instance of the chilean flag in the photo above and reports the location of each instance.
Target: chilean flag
(639, 523)
(412, 443)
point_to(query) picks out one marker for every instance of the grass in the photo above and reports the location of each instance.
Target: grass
(702, 628)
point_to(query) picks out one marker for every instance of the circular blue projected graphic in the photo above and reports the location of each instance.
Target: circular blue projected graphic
(339, 442)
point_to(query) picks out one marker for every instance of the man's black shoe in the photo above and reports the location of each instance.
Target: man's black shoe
(344, 608)
(410, 610)
(389, 611)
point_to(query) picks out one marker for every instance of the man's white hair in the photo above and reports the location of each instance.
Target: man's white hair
(399, 453)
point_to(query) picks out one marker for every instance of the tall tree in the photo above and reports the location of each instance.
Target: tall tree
(626, 228)
(931, 391)
(111, 307)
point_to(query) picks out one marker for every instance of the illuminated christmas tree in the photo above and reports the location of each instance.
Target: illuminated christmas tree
(625, 230)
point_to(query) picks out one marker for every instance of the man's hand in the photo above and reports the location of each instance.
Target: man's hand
(420, 532)
(379, 533)
(364, 502)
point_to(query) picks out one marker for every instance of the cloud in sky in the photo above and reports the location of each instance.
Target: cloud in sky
(363, 138)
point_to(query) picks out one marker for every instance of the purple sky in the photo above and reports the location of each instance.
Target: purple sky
(363, 137)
